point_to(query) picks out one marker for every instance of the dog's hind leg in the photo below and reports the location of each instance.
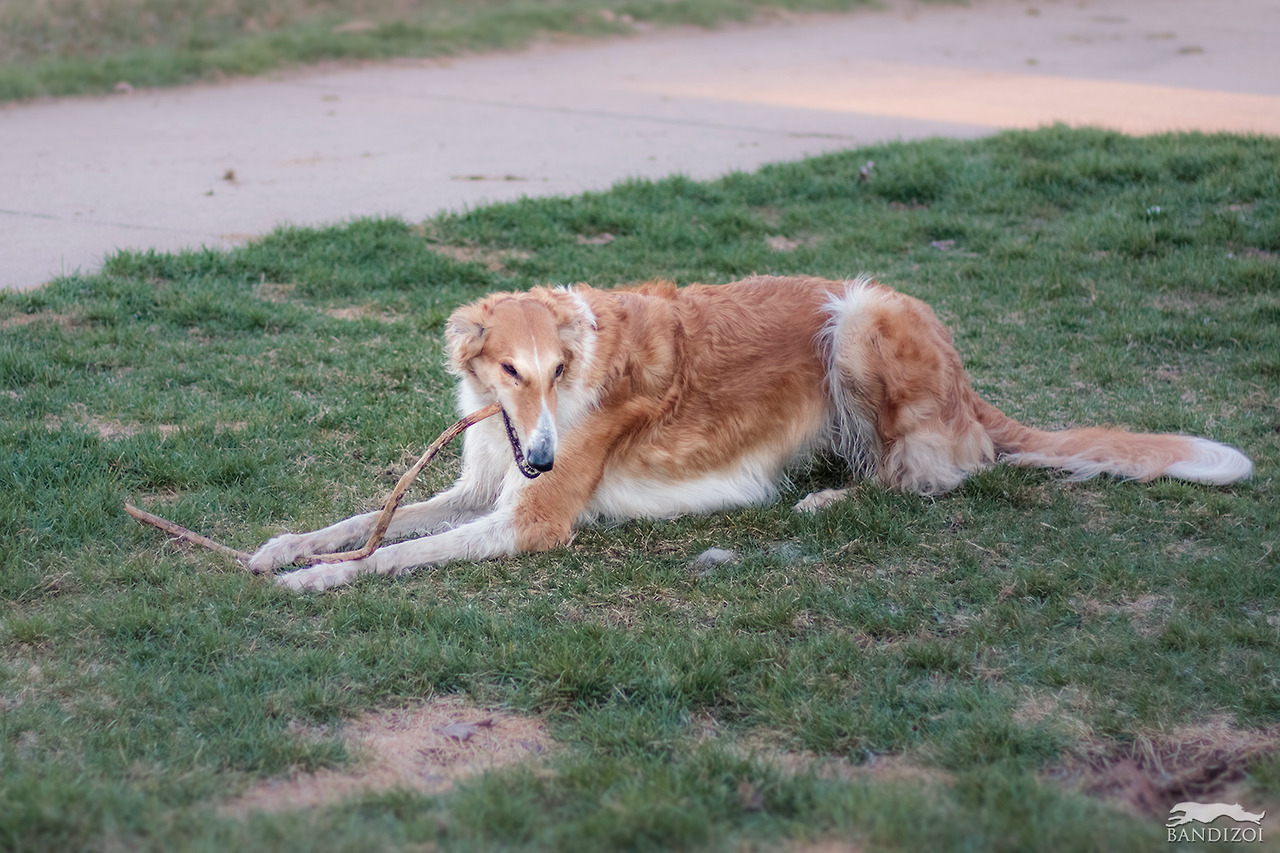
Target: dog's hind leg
(893, 368)
(450, 508)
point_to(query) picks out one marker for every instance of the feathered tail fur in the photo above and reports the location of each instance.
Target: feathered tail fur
(1086, 453)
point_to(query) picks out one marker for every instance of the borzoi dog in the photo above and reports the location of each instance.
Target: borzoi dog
(657, 401)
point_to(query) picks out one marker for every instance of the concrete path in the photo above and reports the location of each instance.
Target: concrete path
(215, 165)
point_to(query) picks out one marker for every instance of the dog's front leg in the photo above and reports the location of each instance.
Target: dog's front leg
(490, 536)
(455, 506)
(530, 515)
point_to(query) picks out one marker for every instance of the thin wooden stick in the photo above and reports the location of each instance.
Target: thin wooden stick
(182, 534)
(397, 494)
(379, 529)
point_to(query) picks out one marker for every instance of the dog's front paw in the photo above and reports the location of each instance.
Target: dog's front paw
(818, 500)
(321, 576)
(280, 551)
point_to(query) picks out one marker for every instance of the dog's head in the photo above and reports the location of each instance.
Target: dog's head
(518, 349)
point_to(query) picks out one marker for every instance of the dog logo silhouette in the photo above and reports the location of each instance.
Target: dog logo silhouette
(1209, 812)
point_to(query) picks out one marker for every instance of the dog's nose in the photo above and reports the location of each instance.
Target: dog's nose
(541, 450)
(540, 458)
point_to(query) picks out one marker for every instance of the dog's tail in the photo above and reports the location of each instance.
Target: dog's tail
(1086, 453)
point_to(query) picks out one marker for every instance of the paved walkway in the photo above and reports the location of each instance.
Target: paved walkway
(215, 165)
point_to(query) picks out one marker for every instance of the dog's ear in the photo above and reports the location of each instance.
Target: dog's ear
(464, 336)
(574, 321)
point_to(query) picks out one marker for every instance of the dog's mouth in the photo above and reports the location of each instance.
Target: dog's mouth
(521, 465)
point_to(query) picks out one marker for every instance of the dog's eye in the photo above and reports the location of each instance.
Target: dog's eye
(510, 370)
(559, 371)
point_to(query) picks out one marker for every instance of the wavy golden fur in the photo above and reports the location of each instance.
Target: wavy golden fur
(655, 401)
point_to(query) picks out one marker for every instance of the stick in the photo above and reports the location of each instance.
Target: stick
(379, 529)
(397, 494)
(182, 534)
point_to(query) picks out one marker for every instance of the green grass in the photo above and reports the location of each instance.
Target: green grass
(1094, 279)
(65, 47)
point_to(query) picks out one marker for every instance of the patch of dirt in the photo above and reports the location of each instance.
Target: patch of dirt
(1060, 710)
(272, 291)
(425, 748)
(1147, 776)
(358, 311)
(1190, 549)
(494, 260)
(1148, 613)
(70, 320)
(782, 243)
(106, 429)
(877, 768)
(281, 293)
(880, 768)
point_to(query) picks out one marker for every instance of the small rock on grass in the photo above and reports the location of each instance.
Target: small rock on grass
(714, 557)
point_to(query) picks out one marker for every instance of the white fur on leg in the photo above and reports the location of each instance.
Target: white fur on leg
(323, 576)
(491, 536)
(287, 547)
(447, 509)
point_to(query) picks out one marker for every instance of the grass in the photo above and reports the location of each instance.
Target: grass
(1016, 640)
(67, 47)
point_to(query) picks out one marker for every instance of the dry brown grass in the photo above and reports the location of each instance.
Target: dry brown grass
(1155, 770)
(274, 291)
(767, 748)
(358, 312)
(64, 320)
(107, 429)
(1062, 710)
(494, 260)
(281, 293)
(1147, 613)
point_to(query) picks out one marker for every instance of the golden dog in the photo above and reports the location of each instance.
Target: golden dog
(657, 401)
